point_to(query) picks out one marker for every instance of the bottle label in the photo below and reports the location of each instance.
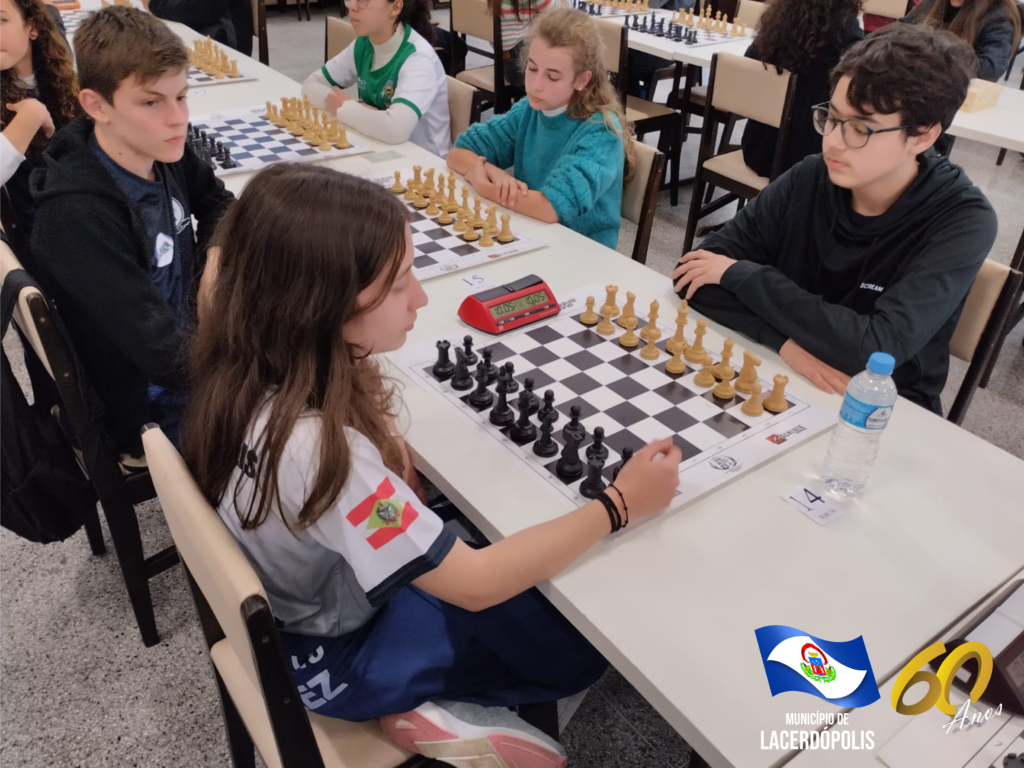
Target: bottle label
(864, 416)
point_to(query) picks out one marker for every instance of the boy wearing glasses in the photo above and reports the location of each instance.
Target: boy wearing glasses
(872, 245)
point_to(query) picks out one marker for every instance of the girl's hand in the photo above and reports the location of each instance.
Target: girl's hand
(335, 99)
(648, 480)
(36, 111)
(478, 179)
(508, 187)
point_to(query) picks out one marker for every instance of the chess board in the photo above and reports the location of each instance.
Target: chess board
(255, 143)
(74, 18)
(648, 24)
(441, 250)
(197, 78)
(600, 9)
(634, 400)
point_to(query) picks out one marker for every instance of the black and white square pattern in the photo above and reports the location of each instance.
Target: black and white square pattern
(199, 79)
(73, 19)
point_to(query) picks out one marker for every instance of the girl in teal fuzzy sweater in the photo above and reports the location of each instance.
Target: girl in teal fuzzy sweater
(568, 141)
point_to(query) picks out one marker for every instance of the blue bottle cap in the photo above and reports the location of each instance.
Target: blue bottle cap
(881, 363)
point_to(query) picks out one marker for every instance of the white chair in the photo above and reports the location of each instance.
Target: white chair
(338, 36)
(464, 106)
(640, 197)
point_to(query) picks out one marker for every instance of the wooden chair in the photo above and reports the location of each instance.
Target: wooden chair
(640, 197)
(983, 324)
(1002, 152)
(259, 698)
(645, 116)
(48, 349)
(749, 13)
(473, 18)
(259, 26)
(1016, 314)
(890, 9)
(465, 103)
(338, 35)
(739, 87)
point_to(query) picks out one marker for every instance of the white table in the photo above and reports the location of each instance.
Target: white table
(1002, 126)
(673, 603)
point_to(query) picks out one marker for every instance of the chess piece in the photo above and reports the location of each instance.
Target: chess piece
(678, 341)
(342, 142)
(397, 187)
(574, 430)
(513, 385)
(724, 390)
(723, 370)
(589, 317)
(523, 430)
(594, 484)
(505, 235)
(569, 466)
(501, 414)
(628, 317)
(420, 201)
(609, 302)
(629, 339)
(598, 448)
(549, 406)
(776, 401)
(491, 226)
(445, 217)
(705, 378)
(451, 206)
(440, 189)
(432, 209)
(627, 454)
(696, 352)
(546, 446)
(753, 406)
(461, 380)
(532, 399)
(651, 331)
(417, 178)
(460, 222)
(486, 241)
(748, 373)
(605, 327)
(429, 182)
(650, 351)
(233, 70)
(470, 235)
(410, 193)
(325, 145)
(444, 367)
(481, 397)
(676, 365)
(467, 348)
(743, 29)
(465, 200)
(478, 220)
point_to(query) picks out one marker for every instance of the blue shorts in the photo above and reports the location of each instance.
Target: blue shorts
(418, 648)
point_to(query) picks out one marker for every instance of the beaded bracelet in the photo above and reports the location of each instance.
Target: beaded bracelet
(625, 508)
(612, 510)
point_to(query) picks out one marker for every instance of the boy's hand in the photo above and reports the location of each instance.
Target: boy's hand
(823, 376)
(335, 99)
(35, 110)
(508, 187)
(699, 268)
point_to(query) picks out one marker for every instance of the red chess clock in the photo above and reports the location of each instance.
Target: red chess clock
(511, 306)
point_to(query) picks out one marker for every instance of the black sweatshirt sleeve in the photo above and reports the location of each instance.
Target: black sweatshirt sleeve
(91, 264)
(208, 200)
(191, 13)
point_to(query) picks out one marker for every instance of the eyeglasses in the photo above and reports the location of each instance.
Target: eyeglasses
(855, 133)
(361, 4)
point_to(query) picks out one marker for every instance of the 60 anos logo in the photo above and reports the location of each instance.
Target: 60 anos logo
(940, 682)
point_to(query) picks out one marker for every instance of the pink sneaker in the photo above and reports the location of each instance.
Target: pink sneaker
(471, 736)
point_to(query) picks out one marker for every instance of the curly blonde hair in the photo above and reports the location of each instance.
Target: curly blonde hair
(55, 74)
(575, 30)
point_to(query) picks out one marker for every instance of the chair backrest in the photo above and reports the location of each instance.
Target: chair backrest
(22, 316)
(473, 18)
(747, 88)
(890, 9)
(339, 36)
(978, 308)
(463, 106)
(614, 45)
(749, 12)
(640, 197)
(259, 28)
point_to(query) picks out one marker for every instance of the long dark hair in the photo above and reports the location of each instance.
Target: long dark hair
(791, 32)
(55, 74)
(966, 24)
(271, 332)
(416, 13)
(494, 6)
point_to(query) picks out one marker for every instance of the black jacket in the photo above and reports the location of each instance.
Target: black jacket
(812, 87)
(91, 255)
(843, 286)
(229, 22)
(994, 44)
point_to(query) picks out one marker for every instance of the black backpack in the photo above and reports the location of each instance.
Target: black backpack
(45, 495)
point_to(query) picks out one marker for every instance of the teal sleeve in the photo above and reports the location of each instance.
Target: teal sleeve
(590, 167)
(495, 140)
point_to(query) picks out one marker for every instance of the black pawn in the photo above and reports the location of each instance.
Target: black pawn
(523, 431)
(481, 396)
(574, 430)
(569, 467)
(503, 380)
(627, 454)
(594, 484)
(444, 367)
(467, 345)
(598, 448)
(644, 27)
(549, 406)
(501, 414)
(229, 161)
(546, 446)
(491, 368)
(513, 385)
(461, 380)
(528, 391)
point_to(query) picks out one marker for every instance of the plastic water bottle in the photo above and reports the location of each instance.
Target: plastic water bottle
(870, 397)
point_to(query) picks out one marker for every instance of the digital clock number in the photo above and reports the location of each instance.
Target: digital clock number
(517, 305)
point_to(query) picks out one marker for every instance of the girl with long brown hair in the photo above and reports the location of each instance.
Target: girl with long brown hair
(568, 141)
(290, 434)
(992, 27)
(806, 37)
(38, 95)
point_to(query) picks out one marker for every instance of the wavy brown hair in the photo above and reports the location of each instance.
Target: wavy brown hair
(792, 32)
(966, 24)
(296, 249)
(573, 29)
(55, 74)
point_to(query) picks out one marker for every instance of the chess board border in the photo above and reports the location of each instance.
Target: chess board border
(497, 252)
(709, 469)
(208, 80)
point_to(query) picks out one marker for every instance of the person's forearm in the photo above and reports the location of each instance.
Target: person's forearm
(462, 160)
(393, 125)
(316, 88)
(21, 130)
(535, 205)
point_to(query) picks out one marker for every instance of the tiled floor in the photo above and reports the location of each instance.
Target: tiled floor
(80, 690)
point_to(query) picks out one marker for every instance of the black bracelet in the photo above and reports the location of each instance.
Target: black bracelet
(612, 510)
(625, 509)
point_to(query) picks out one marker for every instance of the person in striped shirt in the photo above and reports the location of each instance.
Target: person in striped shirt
(516, 16)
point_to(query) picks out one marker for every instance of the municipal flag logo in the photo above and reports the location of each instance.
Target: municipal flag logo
(837, 672)
(382, 515)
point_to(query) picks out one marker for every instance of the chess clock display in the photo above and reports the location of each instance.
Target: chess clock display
(510, 306)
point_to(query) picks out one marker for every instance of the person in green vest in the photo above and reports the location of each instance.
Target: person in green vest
(403, 93)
